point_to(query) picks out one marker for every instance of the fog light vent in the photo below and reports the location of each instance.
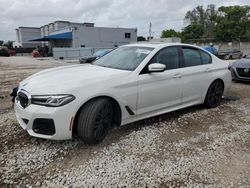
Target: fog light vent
(44, 126)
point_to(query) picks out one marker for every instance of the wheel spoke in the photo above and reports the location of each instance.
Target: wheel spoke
(103, 121)
(216, 85)
(217, 98)
(99, 132)
(218, 92)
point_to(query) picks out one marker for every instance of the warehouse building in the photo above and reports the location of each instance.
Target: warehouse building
(24, 34)
(75, 35)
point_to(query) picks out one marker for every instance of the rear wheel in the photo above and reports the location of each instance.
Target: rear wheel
(214, 94)
(95, 120)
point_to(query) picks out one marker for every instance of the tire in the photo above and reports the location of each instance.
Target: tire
(95, 120)
(214, 94)
(227, 57)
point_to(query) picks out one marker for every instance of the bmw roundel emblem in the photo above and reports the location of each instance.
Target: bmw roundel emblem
(246, 70)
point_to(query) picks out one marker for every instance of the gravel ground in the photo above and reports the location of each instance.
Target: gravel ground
(194, 147)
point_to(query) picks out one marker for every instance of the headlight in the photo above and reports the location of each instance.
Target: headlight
(51, 100)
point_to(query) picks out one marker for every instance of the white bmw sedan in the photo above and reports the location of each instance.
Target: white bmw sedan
(131, 83)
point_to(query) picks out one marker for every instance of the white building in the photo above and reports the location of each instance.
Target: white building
(24, 34)
(69, 34)
(167, 40)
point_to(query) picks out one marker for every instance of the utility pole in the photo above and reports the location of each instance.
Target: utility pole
(150, 31)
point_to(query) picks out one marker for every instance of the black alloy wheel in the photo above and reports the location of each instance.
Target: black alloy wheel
(214, 94)
(95, 120)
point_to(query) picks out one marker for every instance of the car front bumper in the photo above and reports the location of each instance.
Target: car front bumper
(45, 122)
(222, 56)
(237, 76)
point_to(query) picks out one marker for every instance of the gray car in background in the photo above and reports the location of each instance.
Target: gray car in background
(96, 55)
(230, 54)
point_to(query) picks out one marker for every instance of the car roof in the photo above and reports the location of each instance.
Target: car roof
(159, 45)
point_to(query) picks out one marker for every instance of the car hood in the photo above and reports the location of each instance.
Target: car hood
(242, 63)
(62, 80)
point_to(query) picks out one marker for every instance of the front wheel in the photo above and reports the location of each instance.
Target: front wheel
(214, 94)
(227, 57)
(94, 121)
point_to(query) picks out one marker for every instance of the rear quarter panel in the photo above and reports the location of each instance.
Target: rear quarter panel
(221, 71)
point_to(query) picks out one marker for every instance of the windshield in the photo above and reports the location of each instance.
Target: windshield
(232, 50)
(124, 58)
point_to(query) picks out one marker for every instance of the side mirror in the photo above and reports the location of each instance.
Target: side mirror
(156, 67)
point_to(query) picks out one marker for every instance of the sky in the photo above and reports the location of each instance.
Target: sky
(163, 14)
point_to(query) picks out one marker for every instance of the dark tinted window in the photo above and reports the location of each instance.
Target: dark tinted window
(191, 57)
(206, 58)
(169, 57)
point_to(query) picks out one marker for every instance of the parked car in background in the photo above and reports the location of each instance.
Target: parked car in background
(96, 55)
(12, 52)
(240, 69)
(130, 83)
(230, 54)
(4, 52)
(211, 49)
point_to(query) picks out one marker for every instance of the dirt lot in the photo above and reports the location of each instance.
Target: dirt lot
(194, 147)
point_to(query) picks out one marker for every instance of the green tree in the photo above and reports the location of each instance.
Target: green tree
(1, 42)
(232, 22)
(210, 22)
(8, 44)
(225, 24)
(192, 31)
(204, 18)
(170, 33)
(196, 16)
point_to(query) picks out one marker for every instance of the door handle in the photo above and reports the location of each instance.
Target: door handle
(208, 70)
(177, 75)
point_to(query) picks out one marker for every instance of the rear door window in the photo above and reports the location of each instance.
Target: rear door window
(192, 57)
(205, 57)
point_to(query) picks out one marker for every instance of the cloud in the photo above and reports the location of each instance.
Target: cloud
(126, 13)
